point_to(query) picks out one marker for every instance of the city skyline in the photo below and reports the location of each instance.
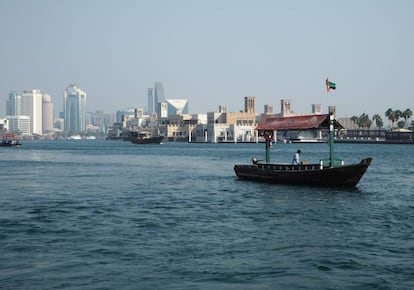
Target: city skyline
(212, 53)
(113, 111)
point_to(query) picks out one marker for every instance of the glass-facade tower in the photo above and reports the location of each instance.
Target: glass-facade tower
(74, 110)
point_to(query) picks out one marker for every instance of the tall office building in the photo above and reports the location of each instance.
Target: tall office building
(155, 96)
(158, 92)
(47, 108)
(13, 104)
(31, 105)
(152, 106)
(25, 112)
(74, 110)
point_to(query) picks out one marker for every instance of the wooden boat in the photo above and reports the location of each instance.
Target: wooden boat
(9, 139)
(328, 172)
(144, 137)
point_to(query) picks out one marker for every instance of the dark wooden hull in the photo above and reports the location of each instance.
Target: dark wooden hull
(313, 174)
(148, 140)
(10, 144)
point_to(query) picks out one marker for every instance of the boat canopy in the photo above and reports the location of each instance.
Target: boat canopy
(303, 122)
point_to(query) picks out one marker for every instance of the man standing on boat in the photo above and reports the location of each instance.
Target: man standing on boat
(296, 157)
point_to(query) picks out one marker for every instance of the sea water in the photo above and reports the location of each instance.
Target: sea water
(97, 214)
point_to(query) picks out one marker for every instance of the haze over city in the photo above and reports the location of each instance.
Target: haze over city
(212, 52)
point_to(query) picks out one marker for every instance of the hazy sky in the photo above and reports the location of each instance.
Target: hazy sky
(212, 52)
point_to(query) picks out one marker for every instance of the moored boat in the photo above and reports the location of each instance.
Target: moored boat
(9, 139)
(328, 172)
(144, 137)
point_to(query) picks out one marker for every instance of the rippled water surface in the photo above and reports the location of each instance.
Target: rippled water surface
(96, 214)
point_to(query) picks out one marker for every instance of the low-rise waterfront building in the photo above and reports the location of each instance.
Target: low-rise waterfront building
(19, 125)
(223, 126)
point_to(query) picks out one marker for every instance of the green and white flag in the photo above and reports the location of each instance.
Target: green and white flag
(330, 86)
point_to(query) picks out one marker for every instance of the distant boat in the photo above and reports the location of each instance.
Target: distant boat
(328, 172)
(10, 139)
(145, 137)
(75, 137)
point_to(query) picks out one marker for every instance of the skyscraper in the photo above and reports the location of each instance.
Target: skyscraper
(13, 104)
(25, 112)
(31, 105)
(155, 96)
(151, 102)
(74, 110)
(47, 108)
(158, 92)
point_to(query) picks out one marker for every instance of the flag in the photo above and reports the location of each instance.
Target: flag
(330, 85)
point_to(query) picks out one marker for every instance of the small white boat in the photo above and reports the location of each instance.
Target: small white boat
(75, 137)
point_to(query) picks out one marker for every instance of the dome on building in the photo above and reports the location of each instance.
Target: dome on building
(46, 98)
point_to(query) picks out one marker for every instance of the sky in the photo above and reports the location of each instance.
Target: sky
(212, 52)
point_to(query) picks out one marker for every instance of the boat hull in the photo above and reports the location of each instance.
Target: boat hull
(148, 140)
(312, 174)
(11, 144)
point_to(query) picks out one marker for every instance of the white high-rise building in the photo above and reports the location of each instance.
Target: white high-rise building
(47, 107)
(29, 113)
(31, 105)
(74, 110)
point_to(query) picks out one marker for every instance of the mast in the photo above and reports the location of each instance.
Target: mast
(331, 139)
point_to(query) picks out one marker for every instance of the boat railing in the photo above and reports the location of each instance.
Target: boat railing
(288, 167)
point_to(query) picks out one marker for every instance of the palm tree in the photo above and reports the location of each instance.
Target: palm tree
(389, 114)
(355, 120)
(393, 115)
(398, 114)
(401, 124)
(364, 121)
(406, 115)
(378, 121)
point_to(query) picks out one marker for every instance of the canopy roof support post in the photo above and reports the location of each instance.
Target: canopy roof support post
(268, 150)
(268, 136)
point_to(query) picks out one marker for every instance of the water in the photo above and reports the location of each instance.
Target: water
(96, 214)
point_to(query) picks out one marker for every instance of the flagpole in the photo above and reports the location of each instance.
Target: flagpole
(330, 124)
(327, 93)
(329, 86)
